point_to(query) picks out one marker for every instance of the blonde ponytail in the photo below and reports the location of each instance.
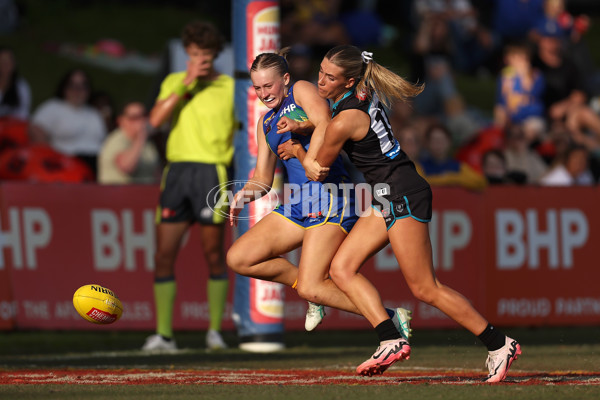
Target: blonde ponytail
(388, 86)
(372, 77)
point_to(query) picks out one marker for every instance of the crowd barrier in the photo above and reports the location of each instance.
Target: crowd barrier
(524, 256)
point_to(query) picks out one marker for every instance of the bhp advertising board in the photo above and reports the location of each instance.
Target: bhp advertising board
(522, 256)
(544, 264)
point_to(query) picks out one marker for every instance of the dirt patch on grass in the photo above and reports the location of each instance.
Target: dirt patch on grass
(279, 377)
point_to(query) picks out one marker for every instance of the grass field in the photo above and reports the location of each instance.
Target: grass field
(557, 363)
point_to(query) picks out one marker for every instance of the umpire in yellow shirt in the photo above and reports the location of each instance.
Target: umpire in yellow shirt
(198, 103)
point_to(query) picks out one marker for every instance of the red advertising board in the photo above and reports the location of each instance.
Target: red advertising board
(522, 256)
(7, 305)
(543, 268)
(66, 236)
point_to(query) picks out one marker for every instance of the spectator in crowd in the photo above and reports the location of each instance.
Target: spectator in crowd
(103, 102)
(471, 43)
(362, 22)
(410, 141)
(9, 16)
(511, 21)
(127, 156)
(493, 165)
(15, 94)
(68, 123)
(300, 63)
(514, 19)
(440, 100)
(572, 169)
(519, 94)
(558, 22)
(441, 169)
(565, 99)
(570, 30)
(315, 23)
(520, 158)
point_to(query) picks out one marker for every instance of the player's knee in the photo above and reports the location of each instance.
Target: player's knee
(236, 260)
(307, 292)
(339, 272)
(426, 294)
(232, 260)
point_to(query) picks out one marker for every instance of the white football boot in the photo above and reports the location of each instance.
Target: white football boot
(157, 343)
(314, 316)
(214, 341)
(401, 320)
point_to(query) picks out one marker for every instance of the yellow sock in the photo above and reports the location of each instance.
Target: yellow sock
(217, 298)
(164, 299)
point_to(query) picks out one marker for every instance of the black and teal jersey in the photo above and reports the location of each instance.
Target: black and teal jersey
(378, 155)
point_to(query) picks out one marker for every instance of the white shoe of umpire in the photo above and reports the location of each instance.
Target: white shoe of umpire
(401, 320)
(158, 343)
(314, 316)
(214, 341)
(499, 361)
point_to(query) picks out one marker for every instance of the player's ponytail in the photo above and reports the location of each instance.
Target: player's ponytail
(372, 77)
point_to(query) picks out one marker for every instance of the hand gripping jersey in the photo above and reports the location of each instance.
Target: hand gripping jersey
(311, 203)
(378, 155)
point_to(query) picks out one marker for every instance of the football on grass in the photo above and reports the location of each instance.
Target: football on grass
(97, 304)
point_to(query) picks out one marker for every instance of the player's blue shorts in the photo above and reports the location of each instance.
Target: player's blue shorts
(316, 204)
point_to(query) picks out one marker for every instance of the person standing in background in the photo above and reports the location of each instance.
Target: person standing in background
(127, 156)
(15, 94)
(199, 104)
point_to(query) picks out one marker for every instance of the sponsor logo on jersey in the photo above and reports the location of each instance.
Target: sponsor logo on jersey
(287, 110)
(362, 95)
(394, 152)
(382, 192)
(399, 208)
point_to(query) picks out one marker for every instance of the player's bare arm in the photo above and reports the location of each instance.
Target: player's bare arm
(349, 125)
(261, 180)
(286, 124)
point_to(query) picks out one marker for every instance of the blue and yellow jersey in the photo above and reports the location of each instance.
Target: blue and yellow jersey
(295, 171)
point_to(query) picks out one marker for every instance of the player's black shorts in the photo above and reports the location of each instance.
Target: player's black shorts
(417, 205)
(193, 192)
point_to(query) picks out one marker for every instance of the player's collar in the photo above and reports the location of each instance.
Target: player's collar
(347, 94)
